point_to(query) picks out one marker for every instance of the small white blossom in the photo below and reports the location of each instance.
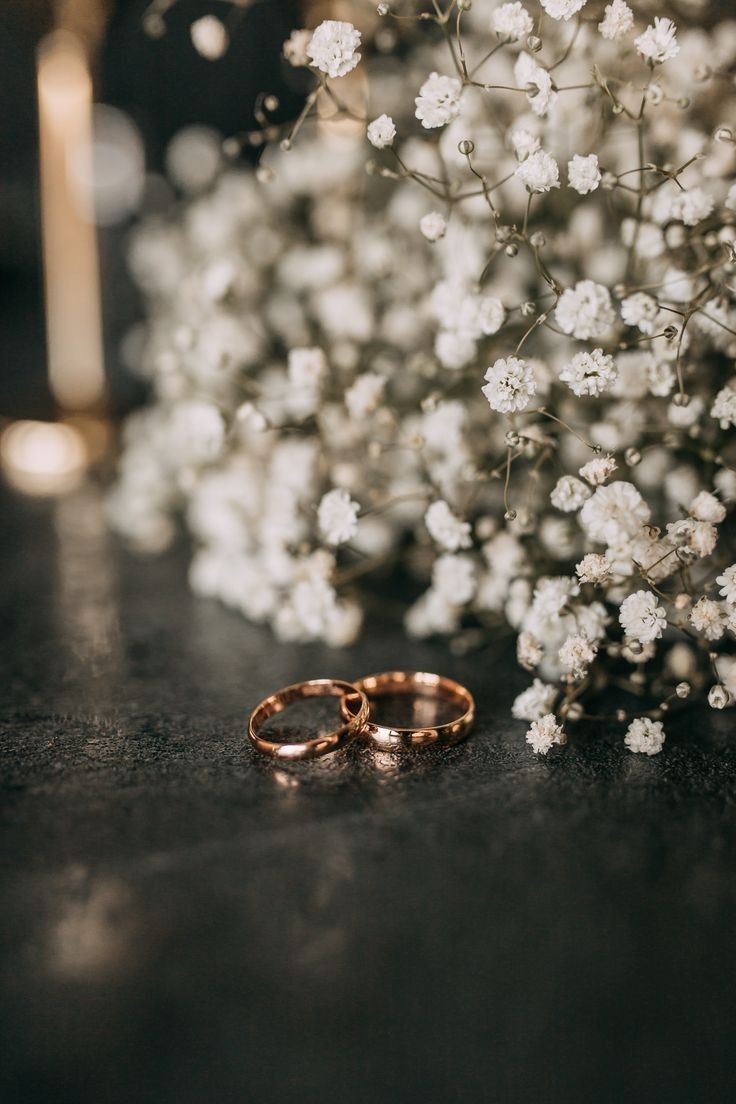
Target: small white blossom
(510, 385)
(691, 206)
(534, 702)
(337, 516)
(529, 652)
(524, 143)
(727, 583)
(724, 406)
(445, 528)
(453, 577)
(333, 48)
(545, 733)
(569, 494)
(707, 617)
(706, 507)
(438, 101)
(614, 513)
(295, 48)
(562, 9)
(585, 311)
(583, 173)
(618, 19)
(589, 373)
(597, 471)
(364, 396)
(641, 617)
(381, 132)
(433, 226)
(539, 172)
(594, 568)
(512, 21)
(209, 37)
(700, 537)
(645, 736)
(658, 43)
(537, 82)
(307, 367)
(576, 655)
(640, 310)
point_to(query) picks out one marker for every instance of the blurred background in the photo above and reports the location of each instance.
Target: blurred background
(133, 111)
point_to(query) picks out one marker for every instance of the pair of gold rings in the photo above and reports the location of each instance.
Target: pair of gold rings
(355, 709)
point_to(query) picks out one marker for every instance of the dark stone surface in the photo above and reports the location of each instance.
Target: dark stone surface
(182, 923)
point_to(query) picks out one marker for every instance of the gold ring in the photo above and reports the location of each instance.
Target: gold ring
(355, 719)
(423, 684)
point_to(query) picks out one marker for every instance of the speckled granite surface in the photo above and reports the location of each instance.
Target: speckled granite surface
(181, 923)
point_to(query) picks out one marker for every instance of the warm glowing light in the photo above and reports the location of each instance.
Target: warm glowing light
(73, 322)
(43, 457)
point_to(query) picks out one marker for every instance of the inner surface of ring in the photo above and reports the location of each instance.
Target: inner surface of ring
(406, 704)
(305, 715)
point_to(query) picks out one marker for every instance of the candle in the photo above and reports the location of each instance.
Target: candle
(71, 270)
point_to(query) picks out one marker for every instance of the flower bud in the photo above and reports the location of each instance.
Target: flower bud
(718, 696)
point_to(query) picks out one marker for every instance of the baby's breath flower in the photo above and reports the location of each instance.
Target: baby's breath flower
(576, 655)
(454, 578)
(543, 734)
(333, 48)
(640, 310)
(307, 367)
(438, 102)
(707, 617)
(597, 471)
(589, 373)
(433, 226)
(585, 311)
(569, 494)
(645, 736)
(658, 43)
(510, 385)
(593, 568)
(444, 527)
(618, 19)
(337, 517)
(534, 702)
(525, 144)
(562, 9)
(724, 406)
(529, 652)
(537, 83)
(381, 132)
(295, 48)
(539, 172)
(727, 582)
(583, 173)
(364, 395)
(641, 617)
(512, 21)
(706, 507)
(614, 513)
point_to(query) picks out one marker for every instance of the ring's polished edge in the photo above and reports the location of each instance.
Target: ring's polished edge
(404, 682)
(355, 720)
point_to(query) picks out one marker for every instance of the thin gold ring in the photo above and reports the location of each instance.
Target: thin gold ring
(355, 719)
(424, 683)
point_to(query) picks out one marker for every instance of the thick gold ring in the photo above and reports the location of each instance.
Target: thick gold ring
(422, 684)
(355, 718)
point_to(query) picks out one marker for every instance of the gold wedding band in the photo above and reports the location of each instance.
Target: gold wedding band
(355, 718)
(421, 684)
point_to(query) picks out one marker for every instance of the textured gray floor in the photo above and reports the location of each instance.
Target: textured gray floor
(182, 923)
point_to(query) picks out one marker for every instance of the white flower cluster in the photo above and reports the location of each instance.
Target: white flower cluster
(505, 358)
